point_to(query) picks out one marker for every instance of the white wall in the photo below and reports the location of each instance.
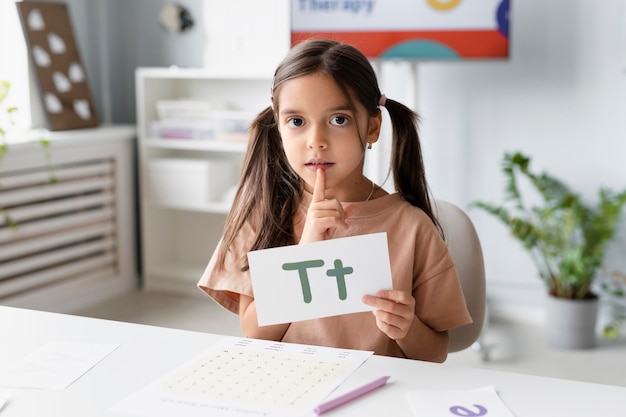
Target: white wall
(561, 98)
(13, 63)
(116, 36)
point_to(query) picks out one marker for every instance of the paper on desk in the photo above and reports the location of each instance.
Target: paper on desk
(55, 365)
(319, 279)
(241, 377)
(482, 401)
(4, 396)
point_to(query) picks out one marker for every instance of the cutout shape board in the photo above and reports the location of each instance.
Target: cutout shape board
(61, 77)
(319, 279)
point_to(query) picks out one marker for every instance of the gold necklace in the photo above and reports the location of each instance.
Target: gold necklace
(371, 192)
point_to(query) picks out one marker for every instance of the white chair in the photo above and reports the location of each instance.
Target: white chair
(466, 252)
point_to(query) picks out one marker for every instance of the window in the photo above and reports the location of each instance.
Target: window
(14, 62)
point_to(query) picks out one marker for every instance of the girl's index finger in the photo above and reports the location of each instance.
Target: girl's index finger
(320, 186)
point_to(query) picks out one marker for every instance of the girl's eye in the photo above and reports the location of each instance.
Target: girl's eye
(295, 122)
(339, 120)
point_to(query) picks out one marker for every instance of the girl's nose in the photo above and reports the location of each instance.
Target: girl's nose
(318, 139)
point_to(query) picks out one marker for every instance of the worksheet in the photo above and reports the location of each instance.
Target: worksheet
(247, 377)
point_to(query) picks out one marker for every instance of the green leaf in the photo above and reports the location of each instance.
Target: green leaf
(4, 90)
(565, 237)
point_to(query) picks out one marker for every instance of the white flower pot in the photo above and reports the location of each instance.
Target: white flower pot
(571, 324)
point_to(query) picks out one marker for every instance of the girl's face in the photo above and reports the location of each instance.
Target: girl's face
(320, 131)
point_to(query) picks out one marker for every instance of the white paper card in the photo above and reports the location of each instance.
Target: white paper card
(55, 365)
(319, 279)
(476, 402)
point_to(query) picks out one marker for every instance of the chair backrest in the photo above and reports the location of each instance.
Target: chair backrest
(466, 252)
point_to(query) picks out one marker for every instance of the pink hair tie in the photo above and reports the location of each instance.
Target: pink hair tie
(382, 100)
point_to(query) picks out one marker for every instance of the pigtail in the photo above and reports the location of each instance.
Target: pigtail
(267, 193)
(407, 164)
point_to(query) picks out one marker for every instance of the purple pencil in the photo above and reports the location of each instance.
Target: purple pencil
(351, 395)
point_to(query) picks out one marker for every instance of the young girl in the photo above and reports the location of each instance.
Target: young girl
(303, 181)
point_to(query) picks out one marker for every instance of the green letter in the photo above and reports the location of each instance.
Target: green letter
(301, 267)
(340, 272)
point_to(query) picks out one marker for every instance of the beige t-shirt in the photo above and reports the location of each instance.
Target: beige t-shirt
(420, 264)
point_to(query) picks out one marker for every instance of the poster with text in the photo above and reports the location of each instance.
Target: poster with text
(408, 29)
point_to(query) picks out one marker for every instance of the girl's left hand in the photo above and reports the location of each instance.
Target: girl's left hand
(395, 311)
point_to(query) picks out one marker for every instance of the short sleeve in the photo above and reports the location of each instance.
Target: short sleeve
(442, 294)
(439, 299)
(225, 285)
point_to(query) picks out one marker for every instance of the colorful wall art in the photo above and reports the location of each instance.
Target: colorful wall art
(408, 29)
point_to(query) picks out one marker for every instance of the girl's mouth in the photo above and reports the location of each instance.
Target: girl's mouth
(315, 165)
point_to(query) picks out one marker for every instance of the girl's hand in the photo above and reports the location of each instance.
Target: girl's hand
(324, 217)
(395, 311)
(249, 322)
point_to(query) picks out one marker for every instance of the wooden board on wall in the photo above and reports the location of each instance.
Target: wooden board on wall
(60, 74)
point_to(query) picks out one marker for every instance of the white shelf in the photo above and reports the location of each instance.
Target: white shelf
(177, 73)
(180, 225)
(197, 144)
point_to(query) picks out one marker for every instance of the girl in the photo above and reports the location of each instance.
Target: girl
(303, 181)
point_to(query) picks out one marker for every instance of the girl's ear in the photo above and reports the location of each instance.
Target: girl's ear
(373, 129)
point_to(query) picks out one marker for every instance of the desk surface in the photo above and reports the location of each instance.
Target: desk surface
(147, 353)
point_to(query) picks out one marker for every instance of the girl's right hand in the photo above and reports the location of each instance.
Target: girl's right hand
(249, 322)
(324, 216)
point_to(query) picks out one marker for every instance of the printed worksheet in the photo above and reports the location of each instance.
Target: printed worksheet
(244, 377)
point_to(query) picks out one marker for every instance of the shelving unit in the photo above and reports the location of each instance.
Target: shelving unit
(187, 184)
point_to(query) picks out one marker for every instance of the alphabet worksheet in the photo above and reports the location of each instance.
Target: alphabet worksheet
(243, 377)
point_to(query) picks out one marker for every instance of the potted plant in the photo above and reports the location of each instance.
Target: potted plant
(6, 120)
(565, 237)
(610, 287)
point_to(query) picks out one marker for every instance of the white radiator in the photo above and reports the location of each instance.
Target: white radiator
(65, 242)
(61, 230)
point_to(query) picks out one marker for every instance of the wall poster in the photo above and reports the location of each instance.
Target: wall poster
(408, 29)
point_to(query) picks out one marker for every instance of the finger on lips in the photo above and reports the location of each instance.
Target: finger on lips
(319, 186)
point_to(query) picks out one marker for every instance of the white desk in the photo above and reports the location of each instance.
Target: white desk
(146, 353)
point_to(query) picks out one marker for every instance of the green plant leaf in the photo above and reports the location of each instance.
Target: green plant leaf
(565, 237)
(4, 90)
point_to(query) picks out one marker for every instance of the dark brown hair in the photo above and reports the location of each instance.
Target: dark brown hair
(269, 189)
